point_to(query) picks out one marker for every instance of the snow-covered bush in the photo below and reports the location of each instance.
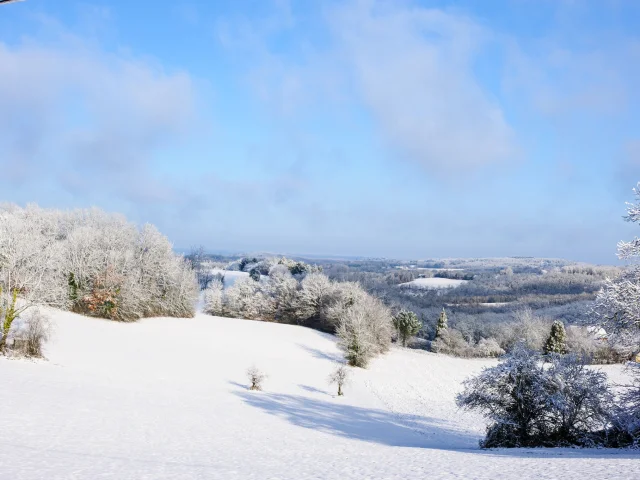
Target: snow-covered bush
(579, 398)
(30, 334)
(407, 325)
(488, 347)
(452, 342)
(531, 405)
(365, 331)
(625, 431)
(527, 327)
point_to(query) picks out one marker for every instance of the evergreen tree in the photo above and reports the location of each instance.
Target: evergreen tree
(442, 324)
(557, 341)
(255, 274)
(407, 325)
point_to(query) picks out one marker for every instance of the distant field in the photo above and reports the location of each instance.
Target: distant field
(433, 283)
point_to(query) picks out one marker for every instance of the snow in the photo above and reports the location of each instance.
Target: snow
(168, 399)
(434, 283)
(230, 276)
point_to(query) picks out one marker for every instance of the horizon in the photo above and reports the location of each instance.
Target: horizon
(364, 128)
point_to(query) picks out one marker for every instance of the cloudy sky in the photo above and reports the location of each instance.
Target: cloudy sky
(406, 129)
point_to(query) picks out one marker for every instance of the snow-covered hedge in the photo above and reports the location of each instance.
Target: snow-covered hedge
(92, 262)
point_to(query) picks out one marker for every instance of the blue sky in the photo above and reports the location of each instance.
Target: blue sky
(403, 129)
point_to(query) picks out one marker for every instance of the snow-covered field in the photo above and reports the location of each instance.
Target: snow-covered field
(433, 283)
(167, 399)
(230, 276)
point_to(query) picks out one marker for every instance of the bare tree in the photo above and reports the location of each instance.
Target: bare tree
(339, 377)
(256, 377)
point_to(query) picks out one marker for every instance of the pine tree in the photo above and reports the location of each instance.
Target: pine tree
(255, 274)
(407, 325)
(442, 324)
(557, 341)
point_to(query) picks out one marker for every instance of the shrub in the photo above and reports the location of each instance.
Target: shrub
(625, 431)
(529, 405)
(489, 347)
(579, 398)
(31, 334)
(339, 377)
(451, 342)
(526, 327)
(407, 325)
(256, 377)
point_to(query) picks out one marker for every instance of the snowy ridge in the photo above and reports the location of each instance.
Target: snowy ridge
(167, 398)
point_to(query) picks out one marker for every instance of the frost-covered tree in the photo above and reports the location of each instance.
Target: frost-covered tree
(344, 296)
(254, 274)
(213, 298)
(407, 325)
(579, 398)
(364, 331)
(530, 405)
(245, 299)
(339, 377)
(93, 263)
(314, 298)
(442, 324)
(557, 341)
(626, 423)
(617, 306)
(512, 396)
(283, 289)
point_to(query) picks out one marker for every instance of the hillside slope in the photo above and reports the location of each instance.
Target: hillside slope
(167, 399)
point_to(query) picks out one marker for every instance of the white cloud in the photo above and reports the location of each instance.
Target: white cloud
(89, 120)
(410, 68)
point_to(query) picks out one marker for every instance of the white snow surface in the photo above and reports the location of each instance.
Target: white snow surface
(434, 282)
(168, 399)
(230, 276)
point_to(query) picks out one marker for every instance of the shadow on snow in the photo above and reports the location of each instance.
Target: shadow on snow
(358, 423)
(387, 428)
